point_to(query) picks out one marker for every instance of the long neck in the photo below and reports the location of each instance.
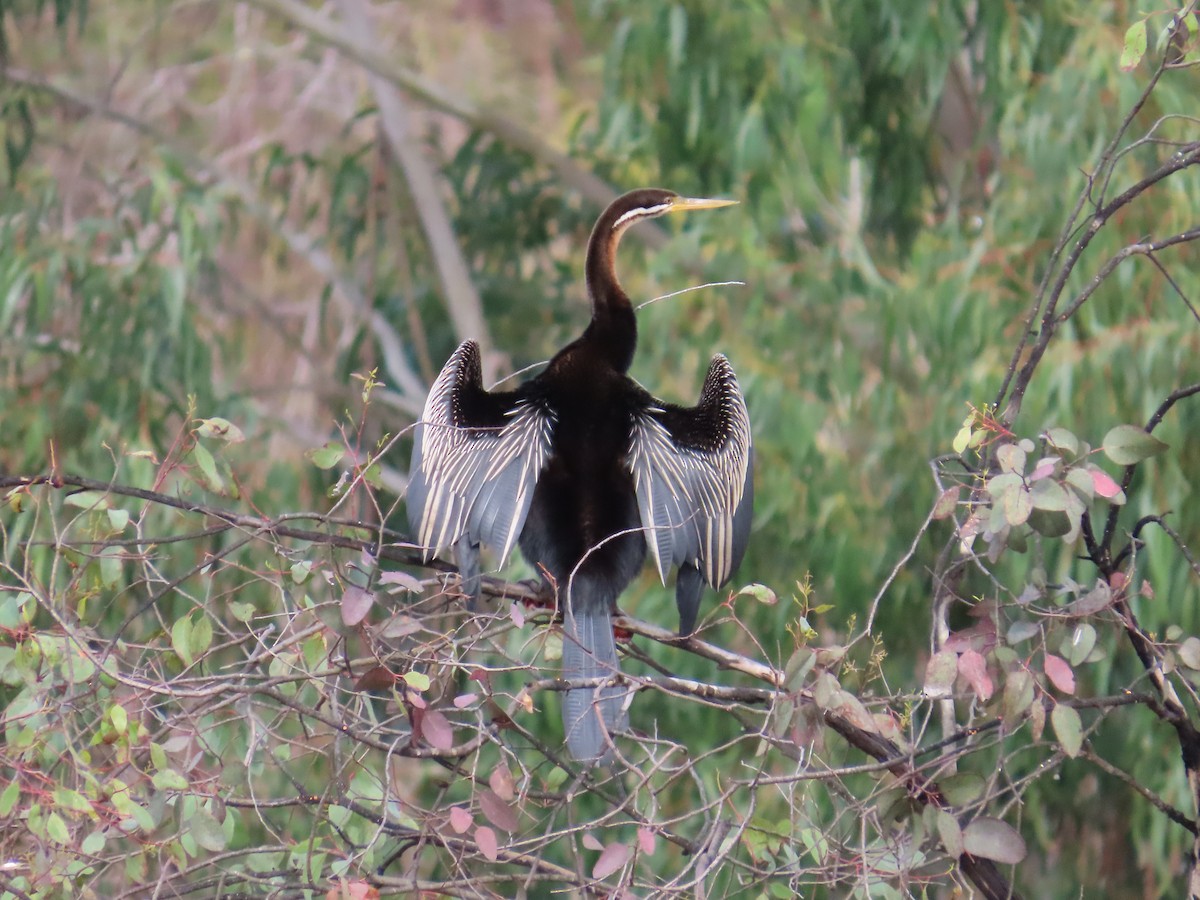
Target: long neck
(613, 330)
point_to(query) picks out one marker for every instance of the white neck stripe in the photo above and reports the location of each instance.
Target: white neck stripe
(641, 212)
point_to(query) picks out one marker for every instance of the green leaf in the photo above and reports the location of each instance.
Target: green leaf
(1049, 524)
(1001, 484)
(1018, 695)
(995, 840)
(181, 640)
(207, 831)
(87, 500)
(243, 612)
(118, 717)
(9, 798)
(1189, 653)
(66, 798)
(1011, 458)
(221, 429)
(93, 843)
(1081, 481)
(799, 664)
(118, 518)
(208, 468)
(1061, 439)
(1127, 445)
(170, 780)
(418, 681)
(950, 833)
(961, 789)
(759, 592)
(327, 455)
(56, 829)
(962, 440)
(1068, 728)
(1049, 496)
(111, 566)
(1021, 630)
(373, 475)
(1079, 645)
(1135, 46)
(1018, 504)
(202, 635)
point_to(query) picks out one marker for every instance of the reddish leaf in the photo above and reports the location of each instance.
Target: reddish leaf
(1103, 483)
(353, 890)
(1095, 600)
(399, 626)
(501, 781)
(436, 729)
(1037, 721)
(402, 580)
(981, 637)
(497, 811)
(486, 839)
(356, 603)
(646, 840)
(973, 667)
(1044, 469)
(946, 503)
(517, 615)
(591, 843)
(460, 819)
(611, 860)
(525, 701)
(376, 678)
(462, 701)
(940, 673)
(1058, 670)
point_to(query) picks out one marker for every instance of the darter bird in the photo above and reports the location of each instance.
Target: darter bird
(582, 468)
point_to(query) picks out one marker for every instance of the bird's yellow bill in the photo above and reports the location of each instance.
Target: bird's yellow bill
(682, 204)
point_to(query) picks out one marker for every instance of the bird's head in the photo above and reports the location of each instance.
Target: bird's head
(649, 203)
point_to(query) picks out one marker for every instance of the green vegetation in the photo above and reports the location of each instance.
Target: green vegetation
(222, 669)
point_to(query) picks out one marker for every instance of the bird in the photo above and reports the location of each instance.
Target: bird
(587, 472)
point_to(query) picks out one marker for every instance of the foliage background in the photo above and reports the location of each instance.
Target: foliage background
(199, 218)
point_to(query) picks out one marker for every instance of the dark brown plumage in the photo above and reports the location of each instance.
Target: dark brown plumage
(584, 470)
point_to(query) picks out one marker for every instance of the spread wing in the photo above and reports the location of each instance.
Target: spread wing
(692, 473)
(476, 459)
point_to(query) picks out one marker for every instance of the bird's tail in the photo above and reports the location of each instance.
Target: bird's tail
(589, 651)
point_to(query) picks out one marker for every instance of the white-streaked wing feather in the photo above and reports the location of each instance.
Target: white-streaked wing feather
(474, 478)
(691, 469)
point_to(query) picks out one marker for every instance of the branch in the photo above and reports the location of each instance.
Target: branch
(863, 737)
(564, 167)
(410, 389)
(462, 299)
